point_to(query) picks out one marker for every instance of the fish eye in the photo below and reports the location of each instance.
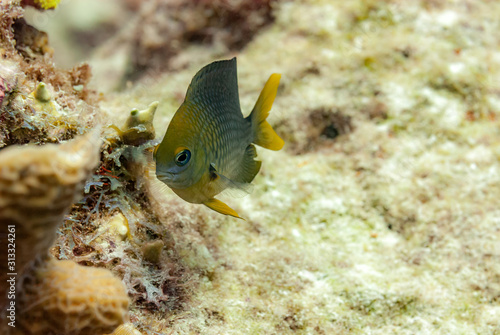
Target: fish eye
(183, 157)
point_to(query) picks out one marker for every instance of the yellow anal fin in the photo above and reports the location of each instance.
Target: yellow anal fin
(221, 207)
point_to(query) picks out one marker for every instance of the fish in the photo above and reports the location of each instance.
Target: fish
(209, 146)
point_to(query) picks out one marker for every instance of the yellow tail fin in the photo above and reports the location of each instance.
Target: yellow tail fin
(265, 136)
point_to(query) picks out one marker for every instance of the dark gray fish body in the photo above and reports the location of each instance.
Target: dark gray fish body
(208, 145)
(213, 102)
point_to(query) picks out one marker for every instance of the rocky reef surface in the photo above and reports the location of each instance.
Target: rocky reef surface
(380, 215)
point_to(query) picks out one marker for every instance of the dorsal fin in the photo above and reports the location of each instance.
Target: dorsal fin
(216, 83)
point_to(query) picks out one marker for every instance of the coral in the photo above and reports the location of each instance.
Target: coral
(38, 185)
(126, 329)
(61, 297)
(28, 48)
(37, 117)
(139, 126)
(26, 63)
(42, 4)
(113, 226)
(41, 93)
(44, 103)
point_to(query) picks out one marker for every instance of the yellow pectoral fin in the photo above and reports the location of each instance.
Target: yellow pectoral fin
(221, 207)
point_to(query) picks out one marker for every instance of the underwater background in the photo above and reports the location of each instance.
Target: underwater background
(379, 216)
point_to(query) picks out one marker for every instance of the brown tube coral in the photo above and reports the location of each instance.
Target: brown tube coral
(126, 329)
(38, 185)
(62, 297)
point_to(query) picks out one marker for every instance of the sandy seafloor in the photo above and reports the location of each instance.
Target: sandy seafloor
(381, 214)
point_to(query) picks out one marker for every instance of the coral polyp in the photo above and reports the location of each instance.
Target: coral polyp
(42, 93)
(139, 126)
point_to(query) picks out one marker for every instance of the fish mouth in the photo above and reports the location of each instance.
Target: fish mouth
(166, 177)
(172, 180)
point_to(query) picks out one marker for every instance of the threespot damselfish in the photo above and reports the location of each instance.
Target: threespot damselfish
(208, 144)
